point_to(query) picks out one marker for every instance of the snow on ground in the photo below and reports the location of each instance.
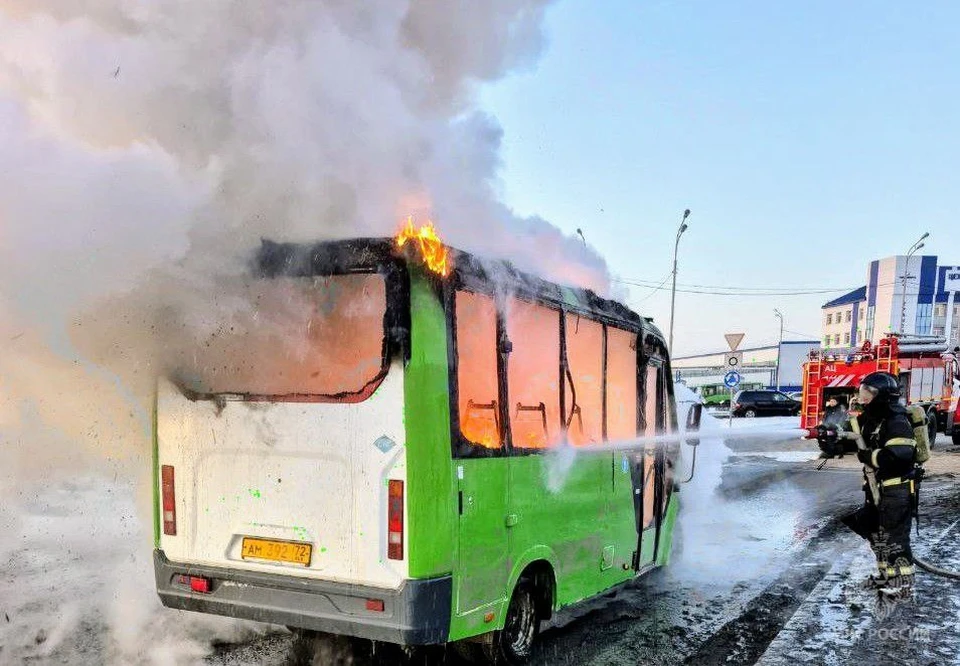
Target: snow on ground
(840, 622)
(755, 532)
(76, 582)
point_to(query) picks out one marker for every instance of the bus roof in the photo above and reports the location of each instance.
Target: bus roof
(469, 270)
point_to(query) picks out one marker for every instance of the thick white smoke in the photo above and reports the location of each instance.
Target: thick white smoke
(147, 145)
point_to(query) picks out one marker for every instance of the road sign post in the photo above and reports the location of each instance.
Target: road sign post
(732, 362)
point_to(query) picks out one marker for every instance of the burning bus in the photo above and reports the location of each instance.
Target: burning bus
(366, 450)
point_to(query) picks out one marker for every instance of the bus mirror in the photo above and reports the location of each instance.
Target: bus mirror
(693, 417)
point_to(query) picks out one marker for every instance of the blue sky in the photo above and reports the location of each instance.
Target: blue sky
(806, 138)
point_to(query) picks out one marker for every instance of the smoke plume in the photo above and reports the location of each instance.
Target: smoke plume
(147, 146)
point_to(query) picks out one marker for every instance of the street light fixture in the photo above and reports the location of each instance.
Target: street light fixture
(916, 247)
(673, 290)
(779, 315)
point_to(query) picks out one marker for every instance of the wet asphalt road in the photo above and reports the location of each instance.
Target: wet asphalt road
(758, 532)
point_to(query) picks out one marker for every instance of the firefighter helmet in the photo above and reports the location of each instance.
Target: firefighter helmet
(884, 387)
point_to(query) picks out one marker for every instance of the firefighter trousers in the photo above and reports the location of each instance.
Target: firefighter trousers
(887, 528)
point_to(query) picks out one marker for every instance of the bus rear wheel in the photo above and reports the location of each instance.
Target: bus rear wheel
(513, 644)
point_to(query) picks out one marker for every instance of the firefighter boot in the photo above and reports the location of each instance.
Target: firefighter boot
(900, 584)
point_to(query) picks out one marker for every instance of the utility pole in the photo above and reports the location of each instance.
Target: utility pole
(779, 316)
(903, 289)
(673, 291)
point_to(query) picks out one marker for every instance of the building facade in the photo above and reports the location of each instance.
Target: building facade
(914, 296)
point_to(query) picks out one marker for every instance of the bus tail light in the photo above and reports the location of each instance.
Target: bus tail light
(168, 501)
(200, 584)
(395, 520)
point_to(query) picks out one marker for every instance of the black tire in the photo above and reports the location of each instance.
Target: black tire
(749, 413)
(513, 645)
(956, 439)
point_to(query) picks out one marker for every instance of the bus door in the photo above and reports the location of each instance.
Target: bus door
(648, 514)
(667, 454)
(480, 464)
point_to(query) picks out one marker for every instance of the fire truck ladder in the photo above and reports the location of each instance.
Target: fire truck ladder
(812, 393)
(886, 361)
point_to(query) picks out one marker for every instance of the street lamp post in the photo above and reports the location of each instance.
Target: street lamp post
(673, 290)
(779, 316)
(903, 288)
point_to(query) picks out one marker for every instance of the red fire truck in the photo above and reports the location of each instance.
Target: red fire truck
(929, 376)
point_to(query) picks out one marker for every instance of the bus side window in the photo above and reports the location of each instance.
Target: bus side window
(584, 397)
(533, 374)
(621, 385)
(477, 369)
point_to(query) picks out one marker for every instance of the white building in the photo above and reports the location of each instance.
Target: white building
(914, 297)
(759, 365)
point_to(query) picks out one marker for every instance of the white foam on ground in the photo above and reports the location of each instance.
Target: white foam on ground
(76, 582)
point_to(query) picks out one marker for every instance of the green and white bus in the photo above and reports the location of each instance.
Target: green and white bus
(375, 449)
(718, 395)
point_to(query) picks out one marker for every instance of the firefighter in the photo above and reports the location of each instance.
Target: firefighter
(834, 413)
(890, 480)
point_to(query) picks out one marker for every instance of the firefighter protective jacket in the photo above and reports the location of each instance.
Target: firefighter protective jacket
(890, 440)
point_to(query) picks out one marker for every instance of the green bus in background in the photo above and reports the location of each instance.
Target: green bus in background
(412, 452)
(718, 395)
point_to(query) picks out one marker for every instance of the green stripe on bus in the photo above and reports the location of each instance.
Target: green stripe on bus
(431, 503)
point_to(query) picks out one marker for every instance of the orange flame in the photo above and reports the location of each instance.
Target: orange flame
(432, 249)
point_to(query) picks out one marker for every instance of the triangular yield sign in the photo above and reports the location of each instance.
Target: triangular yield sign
(734, 339)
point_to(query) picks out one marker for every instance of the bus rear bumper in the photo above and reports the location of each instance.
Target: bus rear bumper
(416, 614)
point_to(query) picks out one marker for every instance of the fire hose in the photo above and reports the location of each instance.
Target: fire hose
(871, 477)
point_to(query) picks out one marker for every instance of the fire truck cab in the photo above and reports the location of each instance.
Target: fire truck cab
(928, 373)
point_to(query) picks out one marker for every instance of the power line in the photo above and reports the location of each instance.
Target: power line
(806, 335)
(725, 288)
(654, 289)
(737, 293)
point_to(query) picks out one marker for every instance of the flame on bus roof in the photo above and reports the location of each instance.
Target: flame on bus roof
(432, 249)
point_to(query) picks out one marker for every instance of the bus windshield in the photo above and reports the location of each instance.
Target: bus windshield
(317, 338)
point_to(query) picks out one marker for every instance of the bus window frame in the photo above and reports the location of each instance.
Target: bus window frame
(568, 376)
(461, 447)
(562, 369)
(275, 260)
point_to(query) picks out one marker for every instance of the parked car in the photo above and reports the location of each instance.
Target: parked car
(764, 403)
(796, 395)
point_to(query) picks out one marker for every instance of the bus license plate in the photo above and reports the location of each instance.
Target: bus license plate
(276, 551)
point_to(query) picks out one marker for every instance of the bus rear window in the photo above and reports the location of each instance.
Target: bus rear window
(318, 338)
